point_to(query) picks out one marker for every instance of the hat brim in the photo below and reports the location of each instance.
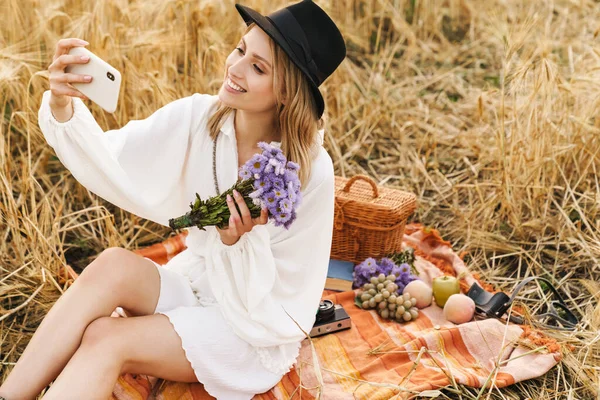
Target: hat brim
(249, 15)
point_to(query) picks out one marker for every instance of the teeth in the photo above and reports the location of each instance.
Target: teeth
(234, 86)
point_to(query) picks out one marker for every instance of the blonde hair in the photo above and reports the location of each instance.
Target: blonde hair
(296, 120)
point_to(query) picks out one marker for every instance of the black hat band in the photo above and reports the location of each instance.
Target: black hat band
(291, 30)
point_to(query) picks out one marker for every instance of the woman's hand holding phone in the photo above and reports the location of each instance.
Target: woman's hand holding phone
(60, 82)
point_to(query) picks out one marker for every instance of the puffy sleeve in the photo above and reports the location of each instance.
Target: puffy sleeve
(271, 270)
(137, 167)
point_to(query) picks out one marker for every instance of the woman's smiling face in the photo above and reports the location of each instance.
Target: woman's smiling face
(248, 80)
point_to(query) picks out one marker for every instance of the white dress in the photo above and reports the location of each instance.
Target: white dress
(229, 304)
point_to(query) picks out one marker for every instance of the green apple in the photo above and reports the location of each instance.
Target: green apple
(444, 287)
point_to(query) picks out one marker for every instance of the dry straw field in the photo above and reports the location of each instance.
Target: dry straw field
(487, 110)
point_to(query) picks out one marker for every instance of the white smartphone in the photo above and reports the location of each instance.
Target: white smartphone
(106, 79)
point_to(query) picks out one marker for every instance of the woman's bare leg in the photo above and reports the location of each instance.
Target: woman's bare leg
(113, 346)
(117, 278)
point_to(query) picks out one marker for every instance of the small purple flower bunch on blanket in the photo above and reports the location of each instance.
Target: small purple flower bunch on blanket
(267, 179)
(369, 268)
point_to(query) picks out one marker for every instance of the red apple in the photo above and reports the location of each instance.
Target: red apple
(444, 287)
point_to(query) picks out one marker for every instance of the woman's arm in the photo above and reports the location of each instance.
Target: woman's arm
(137, 167)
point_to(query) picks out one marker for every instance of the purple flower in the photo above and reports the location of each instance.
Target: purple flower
(285, 205)
(245, 173)
(400, 281)
(386, 265)
(294, 193)
(257, 163)
(277, 182)
(256, 194)
(270, 199)
(273, 206)
(288, 175)
(291, 177)
(267, 148)
(275, 152)
(292, 219)
(292, 166)
(359, 269)
(270, 151)
(396, 270)
(370, 267)
(275, 167)
(278, 166)
(280, 157)
(364, 271)
(291, 193)
(404, 268)
(358, 280)
(405, 279)
(280, 193)
(400, 287)
(282, 217)
(263, 184)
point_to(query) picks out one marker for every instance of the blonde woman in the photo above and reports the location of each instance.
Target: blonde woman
(217, 313)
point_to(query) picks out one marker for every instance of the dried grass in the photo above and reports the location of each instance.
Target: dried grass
(487, 110)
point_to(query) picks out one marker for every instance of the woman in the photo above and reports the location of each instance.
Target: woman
(224, 311)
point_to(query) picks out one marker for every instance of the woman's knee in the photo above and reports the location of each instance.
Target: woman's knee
(102, 340)
(109, 265)
(100, 332)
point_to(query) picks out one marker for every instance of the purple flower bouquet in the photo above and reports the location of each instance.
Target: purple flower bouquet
(267, 179)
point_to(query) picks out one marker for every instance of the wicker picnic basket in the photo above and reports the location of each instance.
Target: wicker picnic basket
(369, 220)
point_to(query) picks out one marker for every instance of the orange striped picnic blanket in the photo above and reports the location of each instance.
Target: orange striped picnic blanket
(383, 359)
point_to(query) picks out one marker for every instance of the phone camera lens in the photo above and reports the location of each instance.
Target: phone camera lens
(110, 76)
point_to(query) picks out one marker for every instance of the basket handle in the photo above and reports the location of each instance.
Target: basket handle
(364, 178)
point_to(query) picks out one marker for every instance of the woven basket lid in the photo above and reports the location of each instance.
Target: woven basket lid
(361, 202)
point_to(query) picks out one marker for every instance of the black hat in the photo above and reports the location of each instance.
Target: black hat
(308, 36)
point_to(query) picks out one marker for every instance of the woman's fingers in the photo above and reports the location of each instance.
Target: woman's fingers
(232, 209)
(263, 218)
(246, 217)
(64, 90)
(233, 227)
(60, 84)
(61, 62)
(71, 78)
(240, 224)
(64, 45)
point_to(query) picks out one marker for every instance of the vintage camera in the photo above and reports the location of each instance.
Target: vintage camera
(330, 318)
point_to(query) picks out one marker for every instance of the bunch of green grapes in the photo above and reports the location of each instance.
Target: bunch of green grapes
(380, 295)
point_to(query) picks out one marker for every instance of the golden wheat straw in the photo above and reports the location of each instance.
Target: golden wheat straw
(487, 110)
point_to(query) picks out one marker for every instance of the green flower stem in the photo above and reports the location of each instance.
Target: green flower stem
(407, 256)
(214, 211)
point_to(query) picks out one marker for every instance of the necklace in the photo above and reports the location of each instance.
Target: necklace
(215, 164)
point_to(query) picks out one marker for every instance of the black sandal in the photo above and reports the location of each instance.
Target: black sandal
(495, 305)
